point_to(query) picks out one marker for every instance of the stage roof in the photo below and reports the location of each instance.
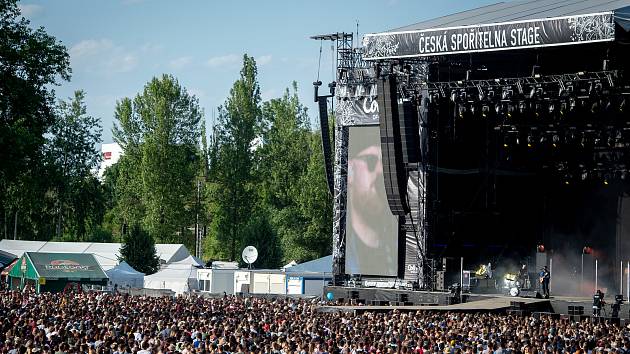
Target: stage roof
(524, 10)
(504, 26)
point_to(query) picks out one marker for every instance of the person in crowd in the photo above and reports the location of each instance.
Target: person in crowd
(97, 323)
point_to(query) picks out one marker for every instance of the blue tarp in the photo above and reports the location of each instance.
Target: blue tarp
(320, 265)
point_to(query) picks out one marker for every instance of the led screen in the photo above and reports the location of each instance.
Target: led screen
(371, 229)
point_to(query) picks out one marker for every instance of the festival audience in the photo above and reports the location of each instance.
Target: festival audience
(96, 323)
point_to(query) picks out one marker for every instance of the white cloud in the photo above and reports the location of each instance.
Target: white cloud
(102, 56)
(123, 64)
(90, 47)
(29, 10)
(263, 60)
(224, 60)
(180, 63)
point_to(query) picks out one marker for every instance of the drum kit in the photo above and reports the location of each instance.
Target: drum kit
(513, 284)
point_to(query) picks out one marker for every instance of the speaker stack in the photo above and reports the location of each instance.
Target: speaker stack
(394, 173)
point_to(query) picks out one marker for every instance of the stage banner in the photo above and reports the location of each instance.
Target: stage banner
(491, 37)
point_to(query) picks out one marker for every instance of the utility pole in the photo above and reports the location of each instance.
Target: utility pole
(197, 233)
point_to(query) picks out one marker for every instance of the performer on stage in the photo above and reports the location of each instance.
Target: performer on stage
(523, 277)
(545, 278)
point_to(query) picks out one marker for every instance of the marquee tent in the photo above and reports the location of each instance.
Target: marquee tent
(179, 277)
(124, 275)
(54, 271)
(105, 253)
(6, 258)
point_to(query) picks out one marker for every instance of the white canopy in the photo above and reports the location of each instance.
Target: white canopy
(106, 254)
(186, 262)
(125, 276)
(178, 277)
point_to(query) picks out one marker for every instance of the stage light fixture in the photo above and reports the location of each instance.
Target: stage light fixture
(485, 110)
(461, 111)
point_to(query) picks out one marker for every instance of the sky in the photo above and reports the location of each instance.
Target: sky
(117, 46)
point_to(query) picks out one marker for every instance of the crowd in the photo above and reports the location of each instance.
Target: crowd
(120, 324)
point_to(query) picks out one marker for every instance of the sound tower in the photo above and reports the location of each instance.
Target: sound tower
(394, 174)
(409, 132)
(322, 102)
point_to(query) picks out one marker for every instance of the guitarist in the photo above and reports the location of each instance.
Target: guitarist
(545, 278)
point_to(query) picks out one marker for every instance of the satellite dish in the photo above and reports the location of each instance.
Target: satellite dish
(250, 255)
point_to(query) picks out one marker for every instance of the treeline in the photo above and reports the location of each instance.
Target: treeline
(256, 178)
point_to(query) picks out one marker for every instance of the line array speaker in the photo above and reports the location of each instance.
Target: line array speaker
(409, 132)
(394, 173)
(326, 149)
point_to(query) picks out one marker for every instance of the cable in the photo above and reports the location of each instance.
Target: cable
(319, 62)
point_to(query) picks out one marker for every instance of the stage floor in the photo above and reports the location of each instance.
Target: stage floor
(489, 303)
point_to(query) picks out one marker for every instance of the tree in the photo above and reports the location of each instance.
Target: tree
(260, 233)
(232, 160)
(159, 132)
(73, 153)
(292, 184)
(138, 250)
(316, 207)
(31, 61)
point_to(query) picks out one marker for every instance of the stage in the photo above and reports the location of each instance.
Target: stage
(378, 300)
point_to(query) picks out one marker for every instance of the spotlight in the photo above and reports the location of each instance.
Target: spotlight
(484, 111)
(462, 111)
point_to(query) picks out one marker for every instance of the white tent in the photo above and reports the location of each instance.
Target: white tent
(188, 261)
(179, 277)
(124, 275)
(106, 254)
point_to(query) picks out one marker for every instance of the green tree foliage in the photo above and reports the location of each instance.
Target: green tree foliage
(266, 179)
(31, 61)
(232, 161)
(159, 132)
(260, 233)
(78, 195)
(138, 250)
(292, 180)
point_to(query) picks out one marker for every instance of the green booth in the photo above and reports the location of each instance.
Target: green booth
(55, 272)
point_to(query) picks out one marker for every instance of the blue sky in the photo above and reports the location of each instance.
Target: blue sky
(116, 46)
